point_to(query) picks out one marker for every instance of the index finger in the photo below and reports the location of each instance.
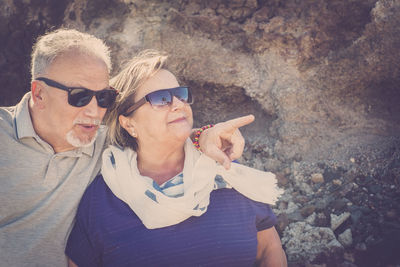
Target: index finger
(239, 122)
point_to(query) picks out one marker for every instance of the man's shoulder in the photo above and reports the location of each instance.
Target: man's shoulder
(7, 116)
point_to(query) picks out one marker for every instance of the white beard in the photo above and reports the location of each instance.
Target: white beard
(76, 142)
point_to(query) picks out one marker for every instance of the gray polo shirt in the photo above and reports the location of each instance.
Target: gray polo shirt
(39, 190)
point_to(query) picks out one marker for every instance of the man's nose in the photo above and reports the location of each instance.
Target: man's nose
(92, 109)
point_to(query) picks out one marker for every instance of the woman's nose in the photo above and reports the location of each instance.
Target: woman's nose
(176, 103)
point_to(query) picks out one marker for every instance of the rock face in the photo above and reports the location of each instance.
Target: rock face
(321, 77)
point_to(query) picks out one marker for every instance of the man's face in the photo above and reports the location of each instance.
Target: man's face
(66, 126)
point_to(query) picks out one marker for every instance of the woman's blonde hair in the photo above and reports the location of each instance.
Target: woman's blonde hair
(127, 81)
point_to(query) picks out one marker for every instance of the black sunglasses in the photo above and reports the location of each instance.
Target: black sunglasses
(80, 96)
(162, 98)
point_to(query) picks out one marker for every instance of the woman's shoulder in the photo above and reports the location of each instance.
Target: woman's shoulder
(96, 187)
(231, 200)
(231, 197)
(94, 193)
(98, 200)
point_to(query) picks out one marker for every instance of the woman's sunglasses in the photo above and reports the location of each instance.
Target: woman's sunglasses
(80, 96)
(162, 98)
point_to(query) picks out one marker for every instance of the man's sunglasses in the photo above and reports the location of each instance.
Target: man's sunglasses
(163, 97)
(80, 96)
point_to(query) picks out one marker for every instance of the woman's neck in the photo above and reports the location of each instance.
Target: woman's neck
(160, 163)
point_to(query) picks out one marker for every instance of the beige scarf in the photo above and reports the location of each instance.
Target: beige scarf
(157, 210)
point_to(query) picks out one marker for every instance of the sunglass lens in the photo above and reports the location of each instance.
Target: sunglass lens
(79, 97)
(183, 94)
(159, 98)
(106, 98)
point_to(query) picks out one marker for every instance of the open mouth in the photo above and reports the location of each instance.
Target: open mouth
(178, 120)
(88, 127)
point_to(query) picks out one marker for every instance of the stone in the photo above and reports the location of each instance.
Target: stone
(337, 220)
(348, 256)
(355, 216)
(374, 188)
(292, 207)
(361, 246)
(302, 199)
(317, 178)
(282, 180)
(391, 214)
(346, 238)
(311, 219)
(307, 210)
(339, 204)
(283, 222)
(337, 182)
(321, 220)
(347, 264)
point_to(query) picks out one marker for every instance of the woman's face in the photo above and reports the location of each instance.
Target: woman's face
(170, 123)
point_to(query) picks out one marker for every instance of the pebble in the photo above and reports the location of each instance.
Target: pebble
(361, 246)
(321, 220)
(287, 171)
(374, 188)
(339, 204)
(348, 256)
(391, 214)
(302, 199)
(337, 182)
(352, 160)
(337, 220)
(291, 207)
(311, 219)
(317, 178)
(283, 222)
(307, 210)
(283, 205)
(346, 238)
(355, 216)
(282, 180)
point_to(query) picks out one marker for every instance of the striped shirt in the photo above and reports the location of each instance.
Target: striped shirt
(108, 233)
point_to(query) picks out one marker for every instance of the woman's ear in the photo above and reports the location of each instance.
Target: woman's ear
(127, 124)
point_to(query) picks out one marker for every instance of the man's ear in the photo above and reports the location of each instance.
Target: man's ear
(127, 124)
(37, 94)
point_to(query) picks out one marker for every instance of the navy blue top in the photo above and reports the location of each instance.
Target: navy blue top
(108, 233)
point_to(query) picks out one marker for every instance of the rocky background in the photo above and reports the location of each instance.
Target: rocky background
(321, 77)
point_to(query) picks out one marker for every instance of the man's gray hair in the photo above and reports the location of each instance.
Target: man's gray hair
(53, 44)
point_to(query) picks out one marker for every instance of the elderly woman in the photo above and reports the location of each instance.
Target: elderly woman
(161, 202)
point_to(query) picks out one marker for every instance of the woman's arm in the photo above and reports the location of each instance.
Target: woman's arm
(224, 142)
(269, 249)
(71, 263)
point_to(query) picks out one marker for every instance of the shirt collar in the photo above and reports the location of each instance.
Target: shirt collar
(24, 127)
(23, 122)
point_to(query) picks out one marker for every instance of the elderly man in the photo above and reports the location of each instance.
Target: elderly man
(51, 143)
